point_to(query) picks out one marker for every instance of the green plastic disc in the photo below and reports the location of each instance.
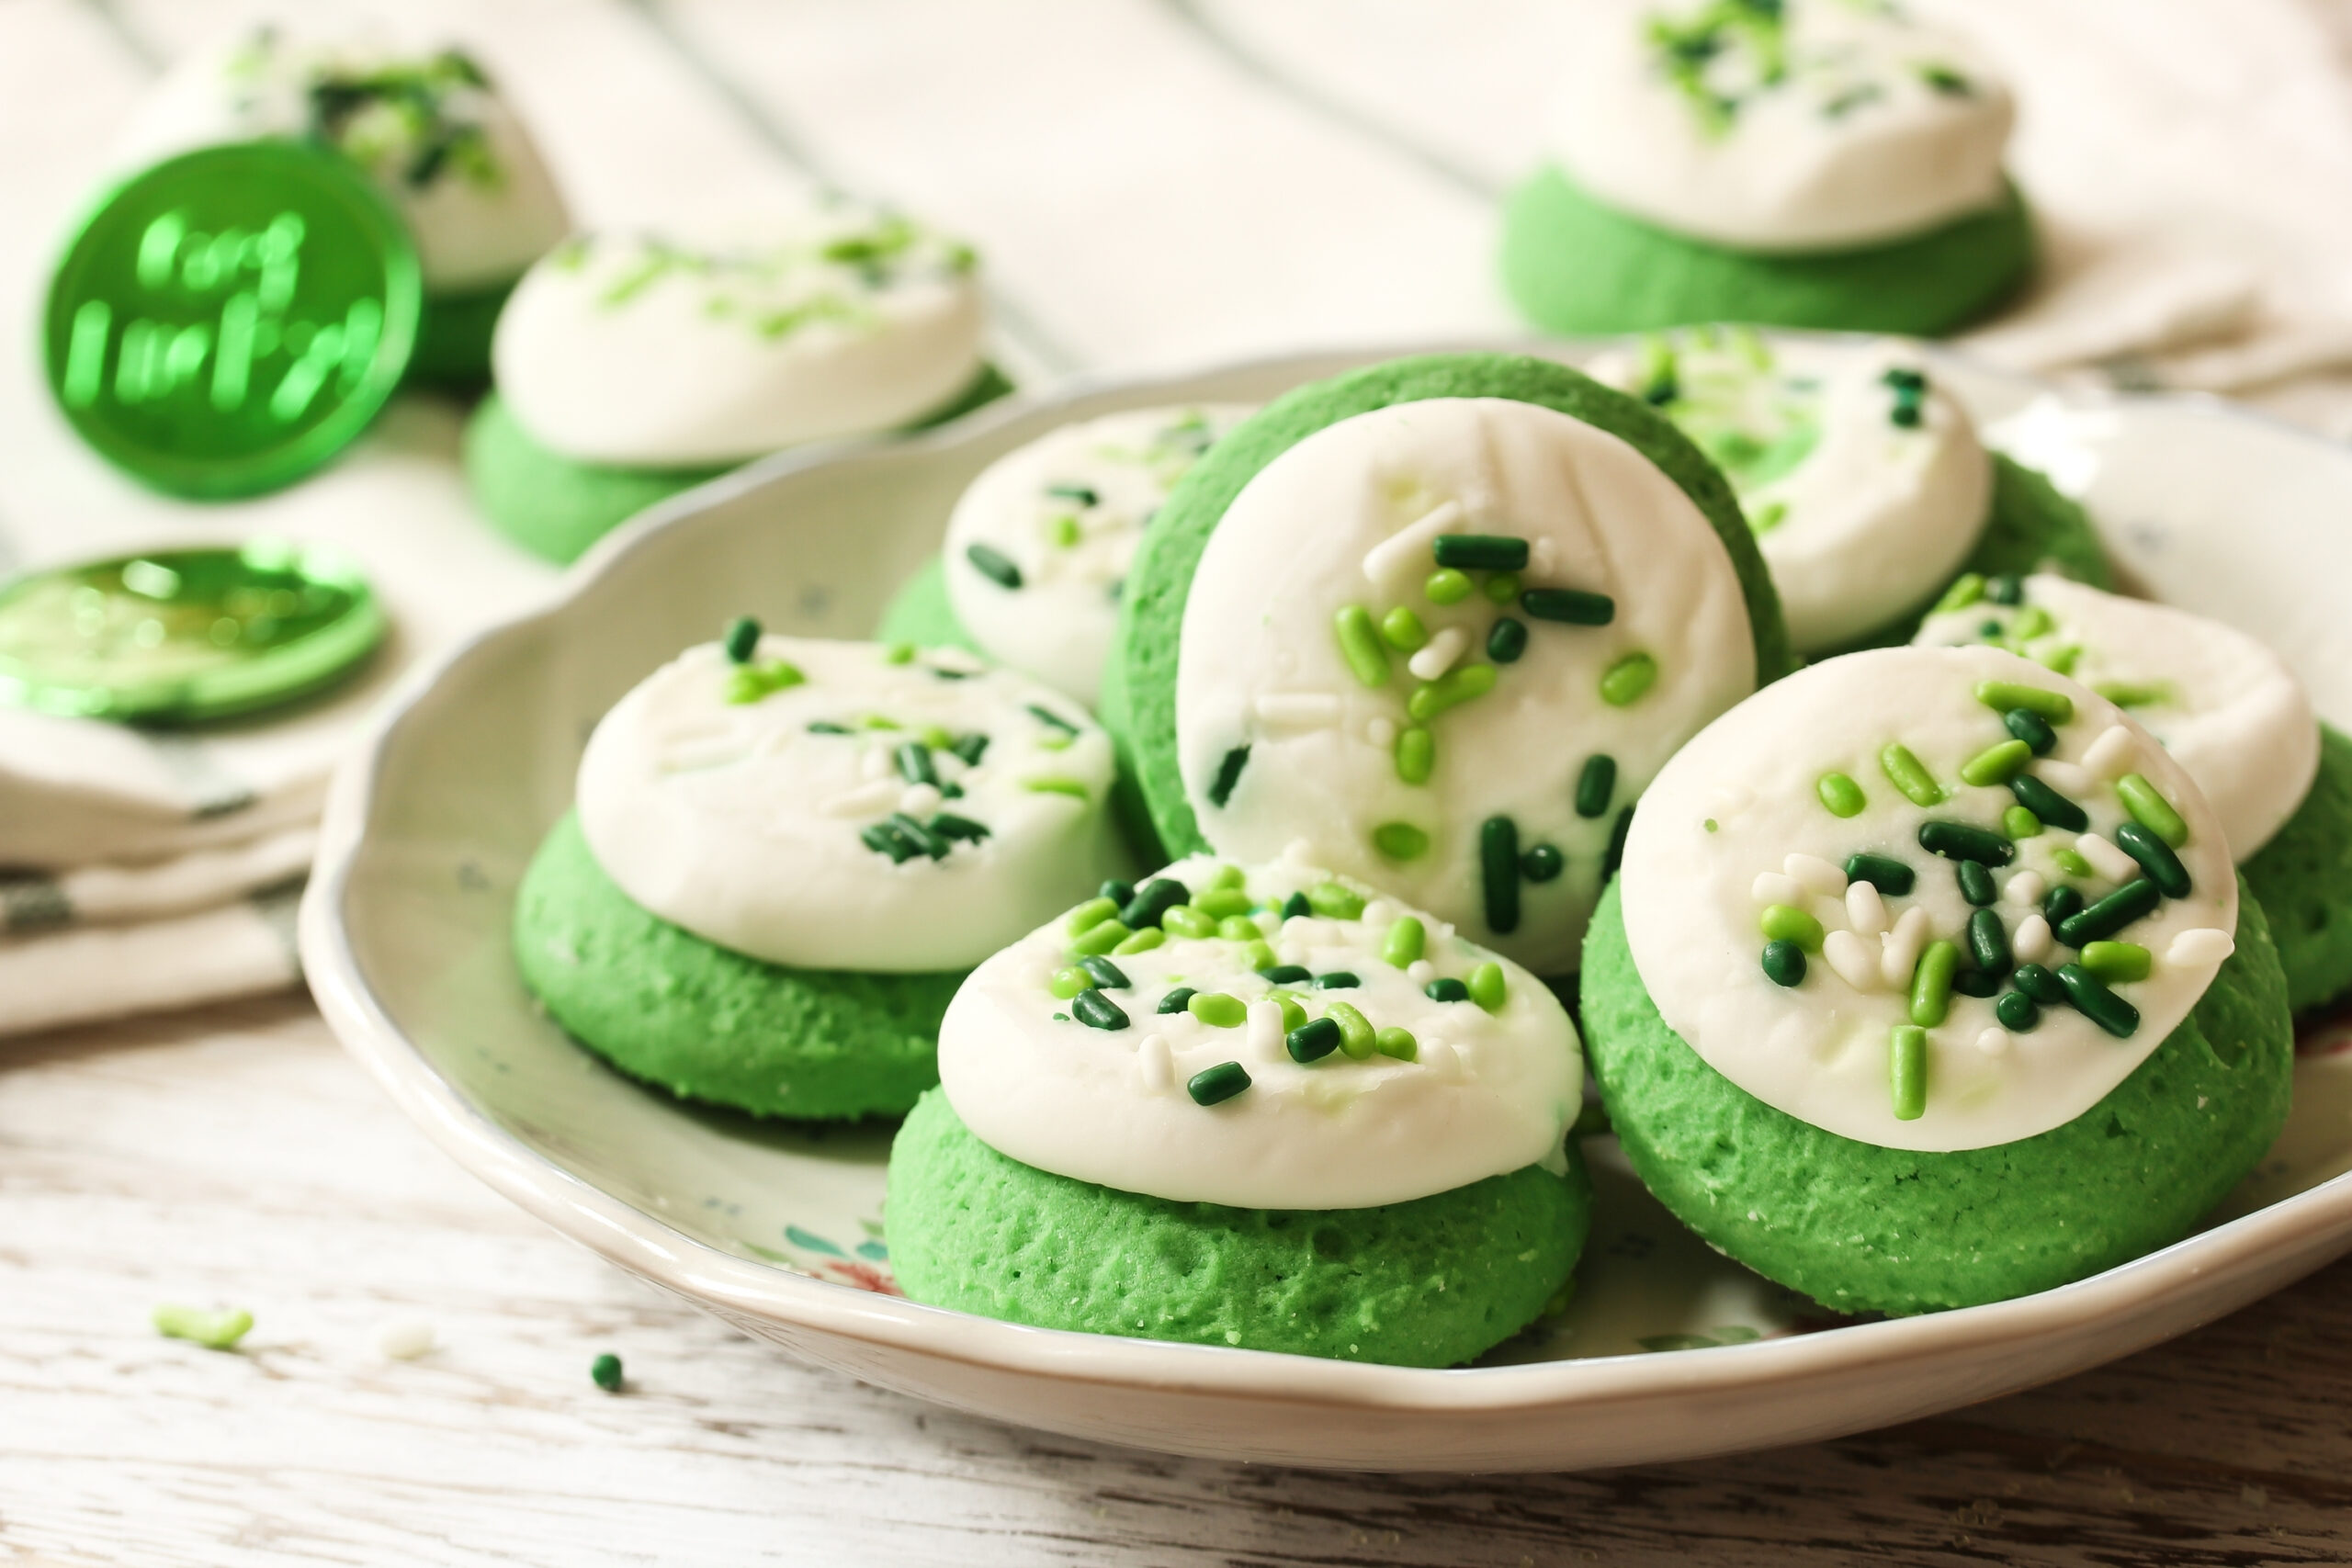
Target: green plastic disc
(227, 320)
(180, 636)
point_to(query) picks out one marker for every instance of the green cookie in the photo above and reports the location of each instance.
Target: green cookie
(2303, 877)
(1427, 1283)
(1862, 1228)
(453, 338)
(556, 506)
(707, 1023)
(921, 612)
(1574, 266)
(1139, 682)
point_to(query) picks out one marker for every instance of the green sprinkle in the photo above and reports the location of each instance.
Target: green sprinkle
(1402, 946)
(1988, 942)
(1055, 785)
(1446, 989)
(751, 682)
(1218, 1009)
(742, 639)
(1296, 905)
(2072, 864)
(875, 721)
(1904, 772)
(994, 565)
(1083, 495)
(1499, 873)
(1931, 983)
(1288, 975)
(2155, 858)
(1595, 783)
(1338, 980)
(2118, 962)
(1615, 856)
(2002, 695)
(2060, 902)
(2039, 983)
(1769, 516)
(2060, 660)
(1402, 630)
(1314, 1040)
(1100, 938)
(1218, 903)
(885, 839)
(1709, 824)
(1224, 876)
(2033, 621)
(1067, 983)
(1907, 1071)
(1446, 586)
(1357, 1037)
(2094, 1001)
(920, 835)
(1360, 645)
(1335, 901)
(1174, 1000)
(1416, 753)
(1503, 588)
(1051, 719)
(1784, 963)
(1399, 841)
(1976, 883)
(1238, 928)
(2019, 1012)
(1541, 863)
(1150, 903)
(2020, 823)
(2008, 588)
(1569, 606)
(1142, 942)
(914, 763)
(1840, 794)
(1624, 682)
(2151, 810)
(1229, 774)
(213, 1330)
(1506, 640)
(2134, 901)
(1979, 983)
(1089, 915)
(1257, 954)
(1996, 764)
(605, 1371)
(1480, 552)
(899, 653)
(1965, 840)
(2032, 728)
(1489, 988)
(1889, 875)
(1458, 685)
(1784, 923)
(1965, 589)
(1215, 1085)
(827, 727)
(1098, 1011)
(947, 825)
(2134, 693)
(1398, 1042)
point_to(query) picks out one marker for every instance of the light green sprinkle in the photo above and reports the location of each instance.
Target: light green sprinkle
(1996, 764)
(2020, 823)
(1398, 1042)
(1216, 1009)
(1840, 794)
(1294, 1014)
(2033, 621)
(2151, 810)
(1335, 900)
(1769, 516)
(1089, 915)
(1456, 687)
(1416, 753)
(1447, 586)
(2070, 863)
(875, 721)
(2135, 693)
(750, 683)
(1931, 984)
(1965, 589)
(1238, 928)
(1360, 645)
(1098, 940)
(2002, 695)
(1055, 742)
(1224, 876)
(899, 653)
(1908, 1072)
(2116, 962)
(1257, 956)
(1402, 630)
(1067, 983)
(1357, 1036)
(1065, 530)
(1904, 772)
(2060, 660)
(213, 1330)
(1624, 683)
(1784, 923)
(1487, 987)
(1400, 841)
(1503, 587)
(1186, 921)
(1402, 946)
(1055, 784)
(1142, 942)
(1218, 901)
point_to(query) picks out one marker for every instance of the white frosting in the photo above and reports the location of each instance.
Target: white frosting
(1742, 798)
(2228, 709)
(1487, 1093)
(739, 822)
(1860, 518)
(1347, 517)
(677, 349)
(464, 171)
(1842, 123)
(1067, 511)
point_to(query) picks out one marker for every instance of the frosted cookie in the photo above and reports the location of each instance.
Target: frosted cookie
(788, 851)
(1441, 620)
(1267, 1108)
(1806, 162)
(1038, 547)
(1859, 472)
(2232, 715)
(633, 366)
(429, 125)
(1929, 981)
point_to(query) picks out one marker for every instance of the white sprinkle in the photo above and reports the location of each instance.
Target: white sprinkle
(1156, 1063)
(1299, 710)
(1771, 887)
(1441, 1058)
(1994, 1042)
(2025, 888)
(874, 763)
(1865, 910)
(1268, 921)
(918, 800)
(1420, 971)
(1406, 548)
(2106, 858)
(1802, 1034)
(2032, 941)
(1381, 733)
(1817, 876)
(1380, 912)
(864, 801)
(1542, 555)
(2195, 948)
(405, 1339)
(2112, 754)
(975, 777)
(1438, 655)
(2067, 778)
(1264, 1030)
(1903, 946)
(960, 660)
(1851, 957)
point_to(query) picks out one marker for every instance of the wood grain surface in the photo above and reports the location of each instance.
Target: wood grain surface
(237, 1157)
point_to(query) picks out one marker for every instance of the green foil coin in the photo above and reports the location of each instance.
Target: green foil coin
(229, 319)
(180, 636)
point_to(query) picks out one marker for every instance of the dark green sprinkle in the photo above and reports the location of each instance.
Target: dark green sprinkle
(2005, 589)
(2018, 1011)
(1446, 989)
(1153, 899)
(1976, 983)
(995, 565)
(1105, 973)
(1784, 963)
(2055, 809)
(1215, 1085)
(1288, 975)
(1904, 379)
(2039, 983)
(2034, 730)
(1046, 715)
(1571, 606)
(949, 825)
(1976, 884)
(1481, 552)
(1117, 891)
(1904, 415)
(1886, 874)
(1229, 774)
(920, 837)
(1988, 942)
(1616, 855)
(2155, 858)
(1337, 980)
(1499, 873)
(951, 790)
(883, 838)
(605, 1371)
(971, 748)
(1296, 905)
(1083, 495)
(1542, 863)
(2127, 903)
(940, 672)
(1314, 1040)
(914, 763)
(1506, 640)
(1174, 1000)
(1098, 1011)
(1963, 840)
(825, 726)
(2094, 1001)
(1596, 781)
(2060, 902)
(742, 639)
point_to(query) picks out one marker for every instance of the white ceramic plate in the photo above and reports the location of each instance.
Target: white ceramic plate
(1669, 1351)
